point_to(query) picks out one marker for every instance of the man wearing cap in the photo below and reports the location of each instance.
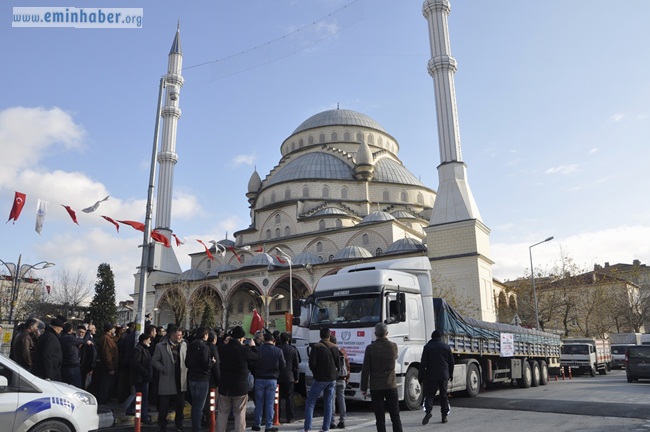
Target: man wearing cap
(436, 369)
(49, 357)
(107, 363)
(233, 385)
(378, 373)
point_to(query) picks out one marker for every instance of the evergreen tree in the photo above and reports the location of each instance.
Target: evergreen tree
(208, 319)
(103, 309)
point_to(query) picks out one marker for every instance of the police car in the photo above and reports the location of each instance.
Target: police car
(31, 404)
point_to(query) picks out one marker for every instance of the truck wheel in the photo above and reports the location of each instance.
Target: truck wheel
(473, 380)
(543, 372)
(526, 375)
(630, 379)
(51, 426)
(412, 390)
(535, 375)
(592, 371)
(603, 371)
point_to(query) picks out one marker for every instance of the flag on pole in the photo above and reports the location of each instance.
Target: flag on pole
(160, 238)
(207, 251)
(41, 211)
(71, 212)
(117, 227)
(94, 207)
(19, 203)
(257, 323)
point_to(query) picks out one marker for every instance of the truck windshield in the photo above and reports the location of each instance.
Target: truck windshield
(575, 349)
(352, 311)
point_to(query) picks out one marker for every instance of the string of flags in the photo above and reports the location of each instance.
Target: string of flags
(42, 208)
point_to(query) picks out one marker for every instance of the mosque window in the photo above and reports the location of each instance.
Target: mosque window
(339, 223)
(287, 194)
(404, 197)
(321, 224)
(371, 139)
(346, 136)
(378, 252)
(240, 307)
(420, 198)
(365, 239)
(319, 247)
(344, 193)
(359, 137)
(278, 219)
(330, 258)
(305, 192)
(386, 196)
(209, 264)
(293, 145)
(310, 140)
(335, 136)
(251, 306)
(272, 197)
(278, 305)
(379, 141)
(321, 138)
(326, 192)
(277, 232)
(301, 143)
(287, 231)
(268, 234)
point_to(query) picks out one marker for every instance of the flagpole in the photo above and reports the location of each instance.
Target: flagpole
(146, 238)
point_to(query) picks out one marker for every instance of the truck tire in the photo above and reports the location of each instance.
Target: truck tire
(472, 380)
(543, 373)
(535, 373)
(526, 375)
(412, 390)
(603, 371)
(592, 371)
(51, 426)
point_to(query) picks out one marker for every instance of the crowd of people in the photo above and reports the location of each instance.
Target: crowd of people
(170, 366)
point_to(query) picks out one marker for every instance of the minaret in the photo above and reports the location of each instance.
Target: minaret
(164, 258)
(458, 241)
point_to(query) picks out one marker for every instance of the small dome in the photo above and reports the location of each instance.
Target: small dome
(306, 258)
(191, 275)
(403, 214)
(378, 216)
(221, 268)
(352, 252)
(338, 117)
(255, 182)
(226, 242)
(262, 259)
(405, 245)
(364, 155)
(331, 211)
(388, 170)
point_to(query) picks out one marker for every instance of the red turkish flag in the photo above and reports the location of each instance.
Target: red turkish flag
(19, 203)
(178, 241)
(71, 212)
(160, 238)
(206, 250)
(232, 249)
(117, 227)
(257, 323)
(260, 249)
(136, 225)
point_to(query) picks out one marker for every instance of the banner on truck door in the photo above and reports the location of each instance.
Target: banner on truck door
(354, 341)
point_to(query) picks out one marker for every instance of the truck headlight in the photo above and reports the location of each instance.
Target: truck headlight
(85, 398)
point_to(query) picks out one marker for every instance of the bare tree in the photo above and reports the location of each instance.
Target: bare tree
(176, 300)
(71, 290)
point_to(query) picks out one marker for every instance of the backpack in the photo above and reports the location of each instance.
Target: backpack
(343, 365)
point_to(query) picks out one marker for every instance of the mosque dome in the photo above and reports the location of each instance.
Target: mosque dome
(338, 117)
(255, 182)
(352, 252)
(330, 211)
(405, 245)
(306, 258)
(192, 275)
(378, 216)
(402, 214)
(316, 165)
(226, 242)
(262, 259)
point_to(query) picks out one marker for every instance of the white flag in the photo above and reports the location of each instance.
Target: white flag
(94, 207)
(41, 211)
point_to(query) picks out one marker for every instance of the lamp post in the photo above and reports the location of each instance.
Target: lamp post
(17, 272)
(532, 278)
(288, 258)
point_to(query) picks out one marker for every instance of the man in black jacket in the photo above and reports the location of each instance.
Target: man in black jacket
(289, 375)
(199, 360)
(324, 364)
(436, 369)
(233, 387)
(49, 357)
(267, 371)
(71, 365)
(142, 373)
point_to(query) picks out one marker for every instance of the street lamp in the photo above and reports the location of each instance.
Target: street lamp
(17, 272)
(288, 258)
(266, 300)
(532, 277)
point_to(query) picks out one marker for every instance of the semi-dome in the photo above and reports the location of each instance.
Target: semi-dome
(377, 216)
(390, 171)
(405, 245)
(338, 117)
(305, 258)
(331, 211)
(352, 252)
(403, 214)
(191, 275)
(316, 165)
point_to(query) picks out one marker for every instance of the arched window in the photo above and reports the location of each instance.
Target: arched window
(305, 192)
(378, 252)
(386, 196)
(278, 219)
(330, 258)
(277, 232)
(301, 143)
(420, 198)
(293, 145)
(209, 264)
(268, 234)
(344, 193)
(371, 139)
(310, 140)
(326, 192)
(272, 197)
(321, 224)
(365, 239)
(287, 231)
(335, 136)
(359, 137)
(321, 138)
(287, 194)
(339, 223)
(346, 136)
(404, 197)
(379, 141)
(319, 247)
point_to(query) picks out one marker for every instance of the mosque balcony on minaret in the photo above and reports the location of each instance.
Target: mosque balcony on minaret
(174, 79)
(165, 156)
(442, 63)
(171, 110)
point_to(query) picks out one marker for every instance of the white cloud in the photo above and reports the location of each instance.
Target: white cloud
(617, 117)
(562, 169)
(249, 159)
(594, 150)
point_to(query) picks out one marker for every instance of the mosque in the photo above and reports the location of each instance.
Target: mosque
(339, 195)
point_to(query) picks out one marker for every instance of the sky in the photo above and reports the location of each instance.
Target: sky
(553, 106)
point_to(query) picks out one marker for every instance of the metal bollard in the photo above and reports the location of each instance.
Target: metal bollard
(276, 406)
(562, 374)
(213, 406)
(138, 412)
(570, 376)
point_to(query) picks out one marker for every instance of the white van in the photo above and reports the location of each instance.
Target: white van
(31, 404)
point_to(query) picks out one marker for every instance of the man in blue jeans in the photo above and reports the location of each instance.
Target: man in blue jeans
(267, 371)
(323, 362)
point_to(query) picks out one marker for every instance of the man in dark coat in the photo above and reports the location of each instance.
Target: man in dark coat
(169, 360)
(267, 371)
(233, 386)
(71, 365)
(24, 344)
(49, 357)
(436, 369)
(142, 373)
(199, 360)
(324, 364)
(288, 375)
(107, 363)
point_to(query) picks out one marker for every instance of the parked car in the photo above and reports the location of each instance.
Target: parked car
(637, 362)
(618, 355)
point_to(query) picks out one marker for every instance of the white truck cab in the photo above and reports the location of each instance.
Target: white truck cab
(31, 404)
